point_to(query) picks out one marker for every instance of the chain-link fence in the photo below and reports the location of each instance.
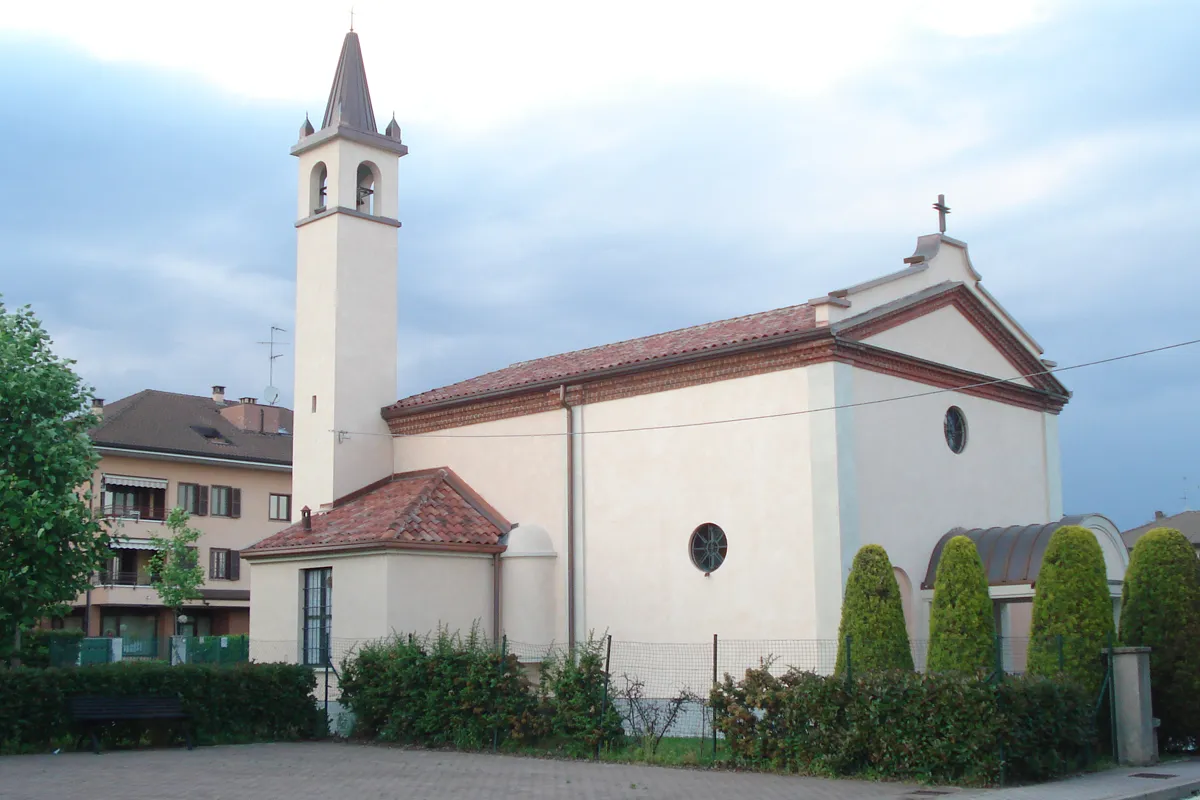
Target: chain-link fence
(663, 687)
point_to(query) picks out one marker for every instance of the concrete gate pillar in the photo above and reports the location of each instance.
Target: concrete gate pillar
(1131, 692)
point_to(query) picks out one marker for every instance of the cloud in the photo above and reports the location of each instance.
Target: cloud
(577, 178)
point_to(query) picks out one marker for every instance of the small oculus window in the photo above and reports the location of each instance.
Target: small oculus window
(955, 428)
(708, 547)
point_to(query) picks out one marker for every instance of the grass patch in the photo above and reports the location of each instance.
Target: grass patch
(673, 751)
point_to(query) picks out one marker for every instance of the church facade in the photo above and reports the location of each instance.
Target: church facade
(715, 479)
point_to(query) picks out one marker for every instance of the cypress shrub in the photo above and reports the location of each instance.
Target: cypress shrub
(1072, 610)
(235, 704)
(1160, 609)
(873, 616)
(962, 630)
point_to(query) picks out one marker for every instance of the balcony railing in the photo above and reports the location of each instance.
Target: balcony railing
(123, 578)
(134, 511)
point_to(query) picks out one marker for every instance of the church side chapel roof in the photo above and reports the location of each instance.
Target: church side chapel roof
(428, 509)
(764, 325)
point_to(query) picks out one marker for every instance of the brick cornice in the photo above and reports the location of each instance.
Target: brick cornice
(715, 367)
(940, 376)
(973, 309)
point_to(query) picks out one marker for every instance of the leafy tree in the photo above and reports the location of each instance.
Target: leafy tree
(178, 570)
(1072, 609)
(962, 631)
(51, 540)
(873, 616)
(1160, 609)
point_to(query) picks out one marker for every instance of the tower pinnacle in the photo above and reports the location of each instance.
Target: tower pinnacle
(349, 103)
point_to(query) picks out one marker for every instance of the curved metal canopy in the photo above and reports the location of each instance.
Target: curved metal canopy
(1011, 555)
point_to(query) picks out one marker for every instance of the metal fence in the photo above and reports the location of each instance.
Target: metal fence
(667, 679)
(220, 650)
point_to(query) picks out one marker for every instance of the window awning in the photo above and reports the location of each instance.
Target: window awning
(128, 480)
(134, 544)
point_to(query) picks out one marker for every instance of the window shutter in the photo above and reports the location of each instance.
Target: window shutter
(212, 562)
(235, 502)
(235, 565)
(202, 500)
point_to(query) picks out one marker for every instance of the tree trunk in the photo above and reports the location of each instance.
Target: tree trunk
(16, 654)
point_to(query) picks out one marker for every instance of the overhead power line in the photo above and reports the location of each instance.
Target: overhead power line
(777, 415)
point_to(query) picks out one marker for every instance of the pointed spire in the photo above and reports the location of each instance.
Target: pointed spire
(349, 103)
(306, 129)
(392, 131)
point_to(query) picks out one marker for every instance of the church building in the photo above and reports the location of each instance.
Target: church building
(714, 479)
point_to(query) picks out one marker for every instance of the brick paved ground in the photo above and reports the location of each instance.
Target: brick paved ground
(328, 771)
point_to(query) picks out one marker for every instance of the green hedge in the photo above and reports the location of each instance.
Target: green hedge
(463, 692)
(243, 703)
(906, 726)
(36, 646)
(1160, 609)
(438, 691)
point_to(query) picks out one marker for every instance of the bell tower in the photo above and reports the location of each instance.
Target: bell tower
(346, 259)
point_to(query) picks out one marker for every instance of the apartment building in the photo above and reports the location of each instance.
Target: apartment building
(228, 463)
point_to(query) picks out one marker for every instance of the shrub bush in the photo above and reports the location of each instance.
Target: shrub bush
(575, 702)
(1160, 609)
(1072, 609)
(902, 725)
(962, 631)
(873, 616)
(439, 690)
(243, 703)
(36, 646)
(460, 691)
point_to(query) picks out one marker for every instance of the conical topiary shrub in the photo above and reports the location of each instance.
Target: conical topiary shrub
(962, 630)
(1072, 609)
(1160, 609)
(873, 616)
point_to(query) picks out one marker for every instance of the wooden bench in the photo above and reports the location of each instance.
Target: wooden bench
(95, 710)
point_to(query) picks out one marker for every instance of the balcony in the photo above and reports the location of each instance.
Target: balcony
(123, 578)
(135, 512)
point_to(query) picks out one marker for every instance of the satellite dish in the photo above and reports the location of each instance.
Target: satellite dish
(270, 395)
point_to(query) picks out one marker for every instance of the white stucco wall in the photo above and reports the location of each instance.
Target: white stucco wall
(947, 337)
(912, 488)
(647, 491)
(426, 590)
(374, 595)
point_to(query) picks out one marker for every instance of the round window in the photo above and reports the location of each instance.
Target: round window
(955, 426)
(708, 546)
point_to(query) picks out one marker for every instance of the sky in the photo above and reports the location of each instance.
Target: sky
(585, 174)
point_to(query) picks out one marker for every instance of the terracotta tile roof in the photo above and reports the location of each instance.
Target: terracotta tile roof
(580, 363)
(166, 422)
(430, 508)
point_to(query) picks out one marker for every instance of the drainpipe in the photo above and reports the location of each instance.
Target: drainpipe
(496, 598)
(562, 399)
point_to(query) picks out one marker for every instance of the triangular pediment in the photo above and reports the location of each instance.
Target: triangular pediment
(949, 324)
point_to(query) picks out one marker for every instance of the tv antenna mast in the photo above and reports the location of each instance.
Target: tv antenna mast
(271, 394)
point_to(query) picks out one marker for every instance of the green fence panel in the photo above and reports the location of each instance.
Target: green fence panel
(95, 651)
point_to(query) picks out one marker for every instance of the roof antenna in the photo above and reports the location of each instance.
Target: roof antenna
(271, 394)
